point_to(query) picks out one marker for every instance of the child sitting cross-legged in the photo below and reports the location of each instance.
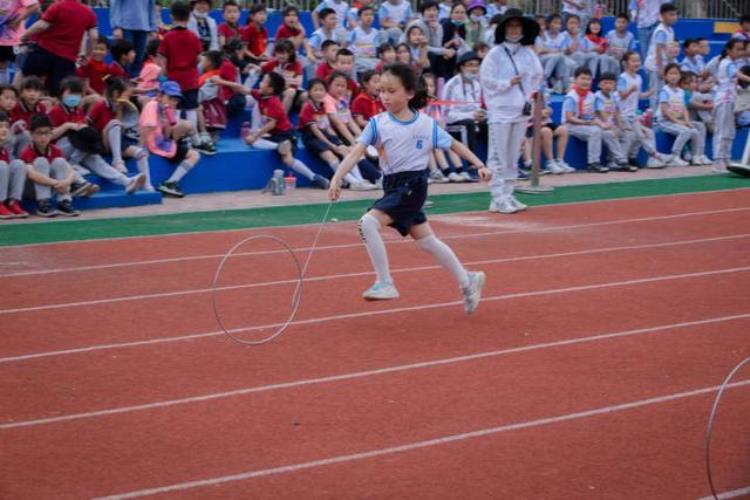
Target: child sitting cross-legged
(48, 171)
(320, 138)
(607, 110)
(549, 131)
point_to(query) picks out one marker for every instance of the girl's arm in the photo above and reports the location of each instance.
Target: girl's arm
(466, 153)
(63, 129)
(646, 95)
(361, 122)
(346, 165)
(321, 136)
(354, 128)
(743, 77)
(664, 108)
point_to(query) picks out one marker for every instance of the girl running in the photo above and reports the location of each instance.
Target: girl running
(406, 139)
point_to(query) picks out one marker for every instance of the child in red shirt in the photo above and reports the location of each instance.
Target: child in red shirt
(291, 29)
(116, 119)
(123, 56)
(71, 131)
(12, 176)
(181, 48)
(274, 121)
(321, 140)
(95, 70)
(230, 28)
(47, 170)
(255, 34)
(329, 49)
(386, 54)
(367, 103)
(29, 103)
(285, 63)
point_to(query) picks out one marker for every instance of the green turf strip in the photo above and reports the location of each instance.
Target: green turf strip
(82, 229)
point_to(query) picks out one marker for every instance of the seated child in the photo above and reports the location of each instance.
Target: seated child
(81, 144)
(364, 40)
(445, 165)
(607, 110)
(285, 63)
(12, 176)
(116, 119)
(321, 140)
(672, 118)
(367, 103)
(203, 25)
(210, 93)
(620, 40)
(579, 114)
(255, 34)
(95, 70)
(688, 83)
(394, 16)
(29, 104)
(123, 56)
(577, 54)
(464, 93)
(48, 171)
(550, 131)
(230, 29)
(329, 53)
(553, 43)
(417, 42)
(276, 123)
(386, 55)
(598, 46)
(166, 136)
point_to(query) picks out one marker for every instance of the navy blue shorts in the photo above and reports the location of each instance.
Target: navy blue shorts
(405, 194)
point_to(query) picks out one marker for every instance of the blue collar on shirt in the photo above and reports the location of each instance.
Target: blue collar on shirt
(401, 122)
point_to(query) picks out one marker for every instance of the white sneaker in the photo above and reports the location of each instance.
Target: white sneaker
(437, 177)
(676, 161)
(135, 183)
(381, 291)
(704, 160)
(466, 176)
(455, 177)
(473, 292)
(720, 167)
(520, 206)
(554, 167)
(566, 168)
(654, 162)
(503, 207)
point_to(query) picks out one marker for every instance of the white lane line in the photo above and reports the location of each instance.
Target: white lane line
(358, 244)
(318, 205)
(741, 492)
(196, 291)
(368, 373)
(324, 319)
(453, 438)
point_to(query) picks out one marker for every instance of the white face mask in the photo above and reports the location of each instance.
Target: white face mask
(513, 39)
(476, 17)
(200, 15)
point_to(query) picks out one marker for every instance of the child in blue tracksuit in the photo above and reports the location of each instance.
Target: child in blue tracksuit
(406, 139)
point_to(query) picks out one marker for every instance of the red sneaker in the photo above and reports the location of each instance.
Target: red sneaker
(5, 213)
(15, 207)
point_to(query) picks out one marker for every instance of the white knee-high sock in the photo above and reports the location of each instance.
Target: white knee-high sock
(351, 178)
(114, 134)
(445, 256)
(302, 169)
(141, 158)
(180, 172)
(369, 230)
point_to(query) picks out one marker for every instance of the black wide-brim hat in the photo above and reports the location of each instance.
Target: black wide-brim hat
(529, 26)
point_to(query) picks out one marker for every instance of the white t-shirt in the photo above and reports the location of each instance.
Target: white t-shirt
(607, 105)
(364, 43)
(341, 8)
(404, 146)
(675, 100)
(585, 112)
(726, 81)
(618, 45)
(400, 13)
(663, 35)
(629, 105)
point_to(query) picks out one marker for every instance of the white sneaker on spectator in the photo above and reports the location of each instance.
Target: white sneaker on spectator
(466, 176)
(362, 186)
(654, 162)
(455, 177)
(566, 168)
(676, 161)
(554, 167)
(704, 160)
(720, 167)
(437, 177)
(135, 183)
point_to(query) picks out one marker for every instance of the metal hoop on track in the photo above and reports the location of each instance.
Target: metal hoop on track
(711, 418)
(296, 297)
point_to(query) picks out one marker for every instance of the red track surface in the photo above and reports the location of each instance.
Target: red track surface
(640, 301)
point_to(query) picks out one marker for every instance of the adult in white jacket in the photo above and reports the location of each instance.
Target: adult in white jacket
(510, 74)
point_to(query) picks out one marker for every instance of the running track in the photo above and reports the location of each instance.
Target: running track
(588, 371)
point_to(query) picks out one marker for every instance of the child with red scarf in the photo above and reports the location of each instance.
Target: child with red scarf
(597, 45)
